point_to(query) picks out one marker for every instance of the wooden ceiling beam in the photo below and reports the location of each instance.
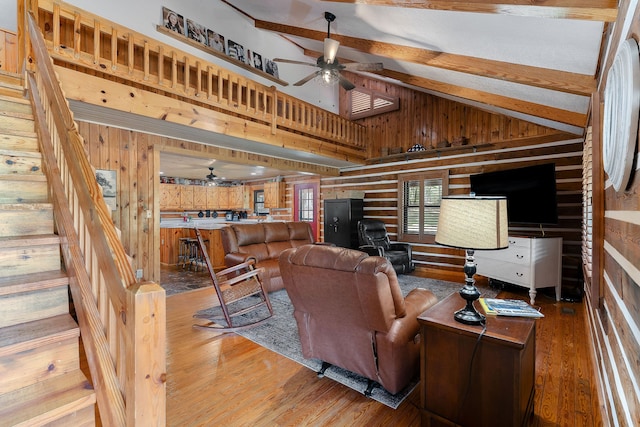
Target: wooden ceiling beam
(578, 84)
(543, 111)
(590, 10)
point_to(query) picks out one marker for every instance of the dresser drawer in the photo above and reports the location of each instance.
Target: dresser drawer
(515, 254)
(518, 274)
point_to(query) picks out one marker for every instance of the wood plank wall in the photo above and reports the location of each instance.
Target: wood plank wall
(136, 162)
(8, 51)
(430, 120)
(615, 306)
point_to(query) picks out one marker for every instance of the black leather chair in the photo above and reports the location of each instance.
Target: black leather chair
(374, 240)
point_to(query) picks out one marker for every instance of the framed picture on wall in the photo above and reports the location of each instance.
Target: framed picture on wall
(271, 67)
(107, 181)
(216, 41)
(172, 20)
(235, 50)
(196, 32)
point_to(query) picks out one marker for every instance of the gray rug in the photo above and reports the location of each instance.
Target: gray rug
(280, 334)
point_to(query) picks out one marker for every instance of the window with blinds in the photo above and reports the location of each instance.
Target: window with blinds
(587, 204)
(419, 208)
(365, 103)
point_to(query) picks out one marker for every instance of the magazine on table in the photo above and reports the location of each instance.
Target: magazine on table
(508, 307)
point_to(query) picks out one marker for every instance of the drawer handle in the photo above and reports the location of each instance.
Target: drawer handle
(519, 256)
(512, 242)
(519, 274)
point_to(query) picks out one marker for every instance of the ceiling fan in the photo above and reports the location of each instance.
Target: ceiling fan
(212, 178)
(328, 64)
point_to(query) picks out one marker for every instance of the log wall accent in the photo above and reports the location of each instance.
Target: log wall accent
(614, 297)
(380, 184)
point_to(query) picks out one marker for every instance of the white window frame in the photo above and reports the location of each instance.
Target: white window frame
(422, 235)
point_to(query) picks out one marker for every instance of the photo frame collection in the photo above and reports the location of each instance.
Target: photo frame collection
(191, 29)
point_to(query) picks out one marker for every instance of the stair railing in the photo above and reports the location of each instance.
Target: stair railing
(89, 42)
(122, 322)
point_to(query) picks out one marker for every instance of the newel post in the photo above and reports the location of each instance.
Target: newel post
(146, 355)
(24, 41)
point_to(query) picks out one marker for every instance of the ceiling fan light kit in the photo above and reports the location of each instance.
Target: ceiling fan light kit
(329, 66)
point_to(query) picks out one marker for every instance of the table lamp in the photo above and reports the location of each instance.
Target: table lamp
(471, 223)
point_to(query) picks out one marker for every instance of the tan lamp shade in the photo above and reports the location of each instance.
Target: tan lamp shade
(473, 222)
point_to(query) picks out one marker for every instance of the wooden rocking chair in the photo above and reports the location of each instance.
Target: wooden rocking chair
(233, 285)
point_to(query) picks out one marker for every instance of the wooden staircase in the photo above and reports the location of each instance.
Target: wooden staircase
(41, 382)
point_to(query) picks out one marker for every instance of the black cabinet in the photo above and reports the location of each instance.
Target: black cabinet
(341, 218)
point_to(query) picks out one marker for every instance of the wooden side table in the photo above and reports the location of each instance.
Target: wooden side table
(497, 390)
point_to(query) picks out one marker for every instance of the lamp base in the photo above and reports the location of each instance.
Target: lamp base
(469, 316)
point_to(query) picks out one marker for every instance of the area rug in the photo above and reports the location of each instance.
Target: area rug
(280, 334)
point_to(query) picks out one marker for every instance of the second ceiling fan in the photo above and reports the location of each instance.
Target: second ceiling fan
(328, 64)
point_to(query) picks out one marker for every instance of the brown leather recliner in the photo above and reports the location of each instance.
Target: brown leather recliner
(351, 313)
(264, 241)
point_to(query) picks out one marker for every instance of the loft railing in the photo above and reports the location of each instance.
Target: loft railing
(80, 38)
(122, 322)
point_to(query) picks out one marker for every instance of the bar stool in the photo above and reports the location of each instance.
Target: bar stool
(183, 251)
(194, 254)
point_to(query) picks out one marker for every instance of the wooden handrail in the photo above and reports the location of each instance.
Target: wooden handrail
(80, 38)
(122, 322)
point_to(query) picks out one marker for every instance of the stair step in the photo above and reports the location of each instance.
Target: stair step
(16, 107)
(65, 400)
(29, 254)
(16, 124)
(18, 142)
(30, 335)
(20, 162)
(11, 78)
(11, 89)
(35, 351)
(15, 188)
(32, 282)
(26, 219)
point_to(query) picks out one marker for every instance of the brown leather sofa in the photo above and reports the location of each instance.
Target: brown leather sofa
(351, 313)
(264, 241)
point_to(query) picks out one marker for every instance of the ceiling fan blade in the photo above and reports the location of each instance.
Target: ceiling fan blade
(346, 84)
(330, 50)
(306, 79)
(359, 66)
(291, 61)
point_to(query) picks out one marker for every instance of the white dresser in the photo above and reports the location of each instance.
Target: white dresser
(532, 262)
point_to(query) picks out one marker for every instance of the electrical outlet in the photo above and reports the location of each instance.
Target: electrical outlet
(139, 273)
(149, 213)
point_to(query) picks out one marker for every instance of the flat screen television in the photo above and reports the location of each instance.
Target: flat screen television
(530, 192)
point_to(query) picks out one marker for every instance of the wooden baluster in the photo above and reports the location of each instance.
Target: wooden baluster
(209, 82)
(174, 69)
(56, 27)
(187, 75)
(77, 21)
(146, 60)
(114, 49)
(130, 59)
(220, 86)
(198, 78)
(161, 66)
(96, 41)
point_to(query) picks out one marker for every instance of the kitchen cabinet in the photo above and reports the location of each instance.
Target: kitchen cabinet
(236, 197)
(200, 197)
(170, 244)
(186, 197)
(170, 196)
(274, 195)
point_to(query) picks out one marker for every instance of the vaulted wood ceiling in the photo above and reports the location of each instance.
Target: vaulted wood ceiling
(534, 60)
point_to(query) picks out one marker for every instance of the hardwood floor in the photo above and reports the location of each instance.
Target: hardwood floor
(227, 380)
